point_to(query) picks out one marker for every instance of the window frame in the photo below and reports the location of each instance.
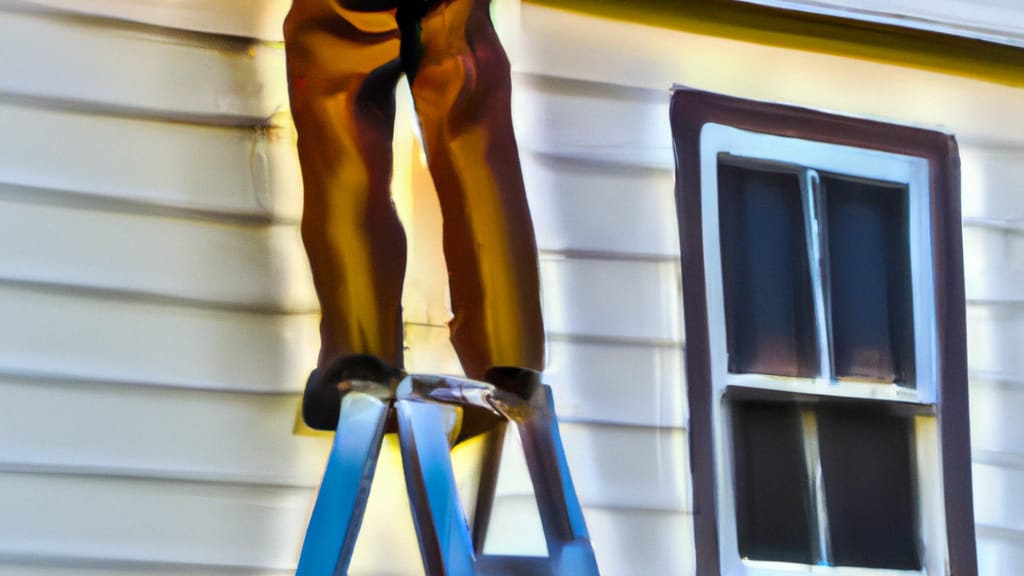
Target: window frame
(800, 155)
(942, 434)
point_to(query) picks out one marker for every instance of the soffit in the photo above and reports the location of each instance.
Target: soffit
(1000, 21)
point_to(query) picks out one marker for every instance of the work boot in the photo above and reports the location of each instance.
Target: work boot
(321, 402)
(520, 381)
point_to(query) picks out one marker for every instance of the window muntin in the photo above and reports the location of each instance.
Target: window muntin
(868, 189)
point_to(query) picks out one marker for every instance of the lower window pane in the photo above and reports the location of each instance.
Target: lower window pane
(869, 478)
(773, 519)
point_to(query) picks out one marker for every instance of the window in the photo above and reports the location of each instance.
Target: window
(826, 361)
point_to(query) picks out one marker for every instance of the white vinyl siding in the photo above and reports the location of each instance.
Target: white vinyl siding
(598, 164)
(158, 317)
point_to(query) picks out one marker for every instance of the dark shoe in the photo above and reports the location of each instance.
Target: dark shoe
(321, 402)
(519, 381)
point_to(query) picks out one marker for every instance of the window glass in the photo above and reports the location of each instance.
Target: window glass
(773, 509)
(869, 267)
(769, 310)
(868, 470)
(865, 456)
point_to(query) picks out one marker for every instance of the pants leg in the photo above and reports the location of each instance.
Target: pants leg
(462, 91)
(343, 65)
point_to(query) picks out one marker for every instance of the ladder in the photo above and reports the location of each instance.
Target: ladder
(427, 407)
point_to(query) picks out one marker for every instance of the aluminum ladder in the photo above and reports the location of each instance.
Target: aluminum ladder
(426, 408)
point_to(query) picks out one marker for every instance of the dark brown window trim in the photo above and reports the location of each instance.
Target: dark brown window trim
(690, 111)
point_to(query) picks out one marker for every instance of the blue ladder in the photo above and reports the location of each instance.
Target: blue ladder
(427, 409)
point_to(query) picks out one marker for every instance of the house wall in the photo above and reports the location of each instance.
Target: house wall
(593, 96)
(157, 315)
(159, 321)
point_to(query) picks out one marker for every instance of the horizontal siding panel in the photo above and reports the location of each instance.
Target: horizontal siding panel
(994, 263)
(998, 499)
(253, 266)
(992, 180)
(995, 338)
(59, 334)
(103, 63)
(593, 121)
(631, 542)
(999, 551)
(145, 520)
(241, 171)
(618, 467)
(146, 431)
(84, 567)
(622, 384)
(245, 18)
(626, 542)
(597, 382)
(601, 207)
(612, 298)
(617, 302)
(996, 423)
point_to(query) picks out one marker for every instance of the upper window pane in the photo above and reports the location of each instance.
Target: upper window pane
(869, 266)
(769, 305)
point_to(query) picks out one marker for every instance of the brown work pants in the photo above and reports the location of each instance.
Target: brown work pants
(344, 60)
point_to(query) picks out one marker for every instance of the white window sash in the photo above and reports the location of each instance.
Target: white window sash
(809, 157)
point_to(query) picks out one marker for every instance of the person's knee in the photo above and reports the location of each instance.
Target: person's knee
(464, 80)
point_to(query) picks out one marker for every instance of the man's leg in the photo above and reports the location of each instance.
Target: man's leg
(343, 64)
(462, 91)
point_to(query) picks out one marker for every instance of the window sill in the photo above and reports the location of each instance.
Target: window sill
(759, 568)
(757, 386)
